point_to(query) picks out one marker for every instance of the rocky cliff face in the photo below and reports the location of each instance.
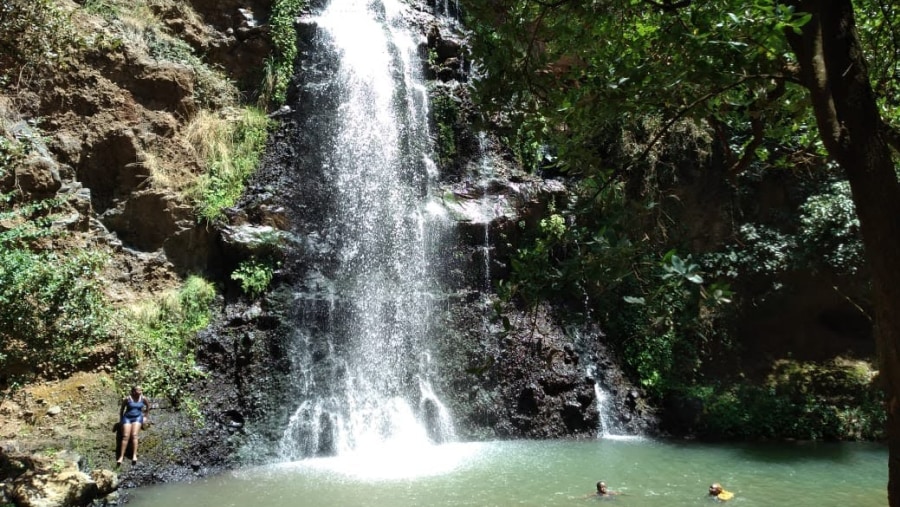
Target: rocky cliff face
(107, 130)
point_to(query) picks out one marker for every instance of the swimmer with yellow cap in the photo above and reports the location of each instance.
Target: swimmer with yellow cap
(720, 494)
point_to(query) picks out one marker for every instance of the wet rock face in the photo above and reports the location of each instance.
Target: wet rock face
(446, 61)
(552, 396)
(525, 378)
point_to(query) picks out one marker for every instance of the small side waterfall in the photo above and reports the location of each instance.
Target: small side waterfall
(610, 424)
(609, 427)
(363, 371)
(486, 174)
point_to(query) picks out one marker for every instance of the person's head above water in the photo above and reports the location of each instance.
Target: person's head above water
(715, 489)
(601, 488)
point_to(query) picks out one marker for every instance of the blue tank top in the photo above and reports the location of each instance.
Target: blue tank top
(135, 408)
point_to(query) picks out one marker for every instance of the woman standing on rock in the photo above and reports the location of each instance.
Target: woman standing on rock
(135, 407)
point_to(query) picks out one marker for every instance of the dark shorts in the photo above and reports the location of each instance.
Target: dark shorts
(132, 420)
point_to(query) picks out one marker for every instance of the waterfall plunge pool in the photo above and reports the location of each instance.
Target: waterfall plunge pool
(552, 473)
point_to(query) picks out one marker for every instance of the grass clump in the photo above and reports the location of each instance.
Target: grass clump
(230, 144)
(159, 341)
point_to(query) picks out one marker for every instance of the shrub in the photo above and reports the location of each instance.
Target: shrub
(285, 40)
(254, 276)
(35, 33)
(445, 112)
(52, 309)
(838, 400)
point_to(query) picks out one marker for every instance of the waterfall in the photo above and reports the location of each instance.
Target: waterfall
(447, 10)
(610, 426)
(363, 307)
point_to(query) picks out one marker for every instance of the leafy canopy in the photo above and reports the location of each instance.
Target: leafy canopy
(561, 72)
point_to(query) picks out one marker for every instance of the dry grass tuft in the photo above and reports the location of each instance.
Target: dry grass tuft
(210, 134)
(166, 174)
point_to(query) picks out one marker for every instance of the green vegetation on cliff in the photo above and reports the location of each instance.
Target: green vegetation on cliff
(60, 309)
(280, 66)
(158, 346)
(52, 311)
(52, 308)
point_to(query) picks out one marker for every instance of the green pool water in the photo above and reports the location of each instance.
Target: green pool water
(553, 473)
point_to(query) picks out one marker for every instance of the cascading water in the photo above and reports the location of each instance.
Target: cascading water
(486, 173)
(609, 427)
(364, 375)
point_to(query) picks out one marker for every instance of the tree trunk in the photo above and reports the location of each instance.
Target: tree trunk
(834, 69)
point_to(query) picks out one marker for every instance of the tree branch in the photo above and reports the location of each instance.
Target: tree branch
(618, 172)
(552, 5)
(758, 128)
(808, 47)
(891, 135)
(668, 6)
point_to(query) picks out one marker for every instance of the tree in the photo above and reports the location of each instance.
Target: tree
(834, 69)
(797, 75)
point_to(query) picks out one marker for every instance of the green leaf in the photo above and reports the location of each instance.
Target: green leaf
(694, 278)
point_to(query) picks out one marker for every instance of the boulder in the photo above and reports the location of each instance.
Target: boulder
(107, 481)
(146, 220)
(252, 240)
(65, 488)
(58, 482)
(38, 176)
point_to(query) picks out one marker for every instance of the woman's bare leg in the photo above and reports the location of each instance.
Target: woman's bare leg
(126, 436)
(135, 428)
